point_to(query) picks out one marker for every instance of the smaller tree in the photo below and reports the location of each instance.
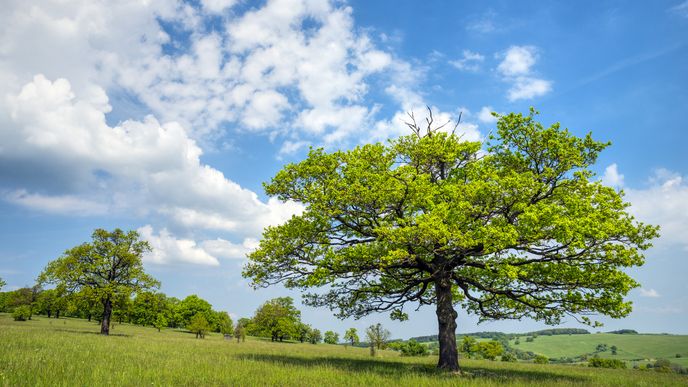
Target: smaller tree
(199, 325)
(240, 333)
(490, 349)
(377, 336)
(315, 336)
(22, 313)
(108, 269)
(413, 348)
(302, 332)
(2, 283)
(469, 346)
(351, 336)
(160, 322)
(541, 359)
(614, 349)
(277, 318)
(223, 323)
(331, 337)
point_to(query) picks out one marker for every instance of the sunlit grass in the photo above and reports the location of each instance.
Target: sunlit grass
(71, 352)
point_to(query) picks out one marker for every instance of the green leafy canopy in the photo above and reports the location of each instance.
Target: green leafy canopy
(108, 267)
(519, 226)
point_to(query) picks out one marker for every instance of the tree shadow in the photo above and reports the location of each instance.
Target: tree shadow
(391, 368)
(89, 332)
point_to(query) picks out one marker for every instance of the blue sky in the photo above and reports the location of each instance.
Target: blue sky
(166, 117)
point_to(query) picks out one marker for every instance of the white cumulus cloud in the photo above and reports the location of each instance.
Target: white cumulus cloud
(612, 177)
(516, 69)
(166, 249)
(470, 61)
(649, 293)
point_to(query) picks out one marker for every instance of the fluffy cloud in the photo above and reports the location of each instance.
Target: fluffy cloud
(137, 167)
(226, 249)
(517, 61)
(485, 115)
(256, 70)
(665, 203)
(166, 249)
(469, 62)
(649, 293)
(516, 69)
(105, 108)
(612, 177)
(62, 204)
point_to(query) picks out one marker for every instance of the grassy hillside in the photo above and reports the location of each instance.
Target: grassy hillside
(632, 348)
(70, 352)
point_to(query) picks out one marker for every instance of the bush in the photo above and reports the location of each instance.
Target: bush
(490, 349)
(598, 362)
(413, 348)
(509, 357)
(199, 325)
(22, 313)
(541, 359)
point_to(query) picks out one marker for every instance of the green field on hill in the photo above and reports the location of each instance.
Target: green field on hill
(632, 348)
(71, 352)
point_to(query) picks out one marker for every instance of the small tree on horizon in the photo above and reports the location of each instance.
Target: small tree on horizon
(315, 336)
(199, 325)
(377, 337)
(240, 329)
(331, 337)
(277, 318)
(107, 269)
(351, 336)
(160, 322)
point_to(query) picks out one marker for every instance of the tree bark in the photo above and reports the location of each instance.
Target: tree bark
(105, 321)
(446, 318)
(57, 314)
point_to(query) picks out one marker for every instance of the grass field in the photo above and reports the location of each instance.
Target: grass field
(71, 352)
(632, 348)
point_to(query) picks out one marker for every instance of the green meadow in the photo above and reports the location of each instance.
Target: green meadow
(71, 352)
(634, 349)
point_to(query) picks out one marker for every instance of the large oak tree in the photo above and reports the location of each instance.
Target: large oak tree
(105, 269)
(515, 227)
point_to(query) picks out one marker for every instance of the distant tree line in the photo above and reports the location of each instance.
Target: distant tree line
(508, 336)
(146, 308)
(624, 332)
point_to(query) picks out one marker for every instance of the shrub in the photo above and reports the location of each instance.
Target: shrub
(490, 349)
(509, 357)
(541, 359)
(413, 348)
(199, 325)
(598, 362)
(22, 313)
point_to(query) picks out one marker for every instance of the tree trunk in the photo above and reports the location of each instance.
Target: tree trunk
(105, 321)
(446, 318)
(57, 314)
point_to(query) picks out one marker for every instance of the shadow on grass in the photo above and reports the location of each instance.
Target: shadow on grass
(88, 332)
(387, 368)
